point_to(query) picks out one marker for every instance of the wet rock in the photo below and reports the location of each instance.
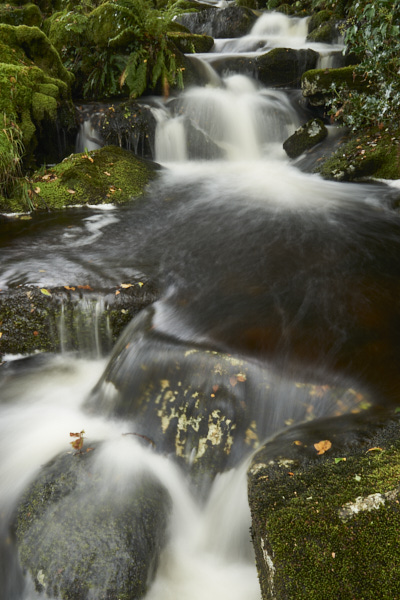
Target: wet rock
(324, 500)
(306, 137)
(83, 533)
(205, 409)
(191, 42)
(130, 125)
(199, 145)
(284, 67)
(235, 64)
(230, 22)
(70, 318)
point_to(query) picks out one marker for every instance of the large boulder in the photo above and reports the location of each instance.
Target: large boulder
(230, 22)
(89, 527)
(284, 67)
(319, 85)
(205, 409)
(324, 500)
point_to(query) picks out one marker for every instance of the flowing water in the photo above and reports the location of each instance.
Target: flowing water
(253, 257)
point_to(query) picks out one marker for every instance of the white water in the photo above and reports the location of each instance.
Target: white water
(209, 554)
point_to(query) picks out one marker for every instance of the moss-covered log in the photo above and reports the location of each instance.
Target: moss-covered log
(324, 499)
(70, 318)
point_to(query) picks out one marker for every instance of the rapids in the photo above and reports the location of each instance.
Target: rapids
(253, 257)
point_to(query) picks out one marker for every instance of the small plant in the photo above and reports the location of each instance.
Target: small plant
(11, 153)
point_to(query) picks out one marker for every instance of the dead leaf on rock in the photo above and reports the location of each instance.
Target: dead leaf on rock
(323, 446)
(126, 285)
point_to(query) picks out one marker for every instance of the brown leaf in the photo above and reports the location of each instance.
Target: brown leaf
(67, 287)
(84, 287)
(37, 190)
(376, 448)
(71, 191)
(126, 285)
(323, 446)
(107, 173)
(117, 292)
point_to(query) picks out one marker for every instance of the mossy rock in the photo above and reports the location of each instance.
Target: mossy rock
(324, 501)
(62, 30)
(189, 43)
(284, 67)
(108, 175)
(87, 529)
(29, 14)
(306, 137)
(318, 19)
(372, 153)
(90, 320)
(327, 33)
(317, 84)
(37, 48)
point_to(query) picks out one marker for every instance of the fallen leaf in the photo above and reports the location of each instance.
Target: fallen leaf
(37, 190)
(45, 292)
(241, 377)
(67, 287)
(323, 446)
(338, 460)
(107, 173)
(117, 292)
(71, 191)
(375, 449)
(35, 333)
(1, 334)
(126, 285)
(84, 287)
(215, 388)
(46, 177)
(140, 284)
(297, 443)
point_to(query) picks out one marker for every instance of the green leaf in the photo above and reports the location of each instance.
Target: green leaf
(45, 292)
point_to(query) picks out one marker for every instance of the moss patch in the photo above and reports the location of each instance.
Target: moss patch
(108, 175)
(190, 42)
(370, 153)
(310, 541)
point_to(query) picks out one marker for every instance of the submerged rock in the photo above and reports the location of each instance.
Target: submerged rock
(88, 528)
(324, 500)
(305, 137)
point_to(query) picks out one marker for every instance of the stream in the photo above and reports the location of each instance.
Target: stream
(255, 258)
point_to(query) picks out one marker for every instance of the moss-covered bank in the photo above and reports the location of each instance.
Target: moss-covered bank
(108, 175)
(325, 511)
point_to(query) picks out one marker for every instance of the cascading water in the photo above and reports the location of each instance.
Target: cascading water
(253, 258)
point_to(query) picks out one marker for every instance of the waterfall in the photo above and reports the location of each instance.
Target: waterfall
(285, 277)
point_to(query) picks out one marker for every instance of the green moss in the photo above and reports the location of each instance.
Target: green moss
(191, 42)
(109, 175)
(371, 153)
(20, 15)
(317, 84)
(318, 546)
(317, 19)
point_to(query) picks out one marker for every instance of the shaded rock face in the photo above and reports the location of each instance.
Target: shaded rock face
(324, 500)
(205, 409)
(228, 22)
(305, 137)
(84, 531)
(284, 67)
